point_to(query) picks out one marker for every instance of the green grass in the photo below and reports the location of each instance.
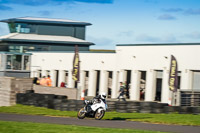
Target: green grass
(32, 110)
(178, 119)
(28, 127)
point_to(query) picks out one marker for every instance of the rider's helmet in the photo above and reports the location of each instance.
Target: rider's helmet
(103, 95)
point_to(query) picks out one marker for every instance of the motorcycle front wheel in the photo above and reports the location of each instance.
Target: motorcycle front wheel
(81, 113)
(99, 115)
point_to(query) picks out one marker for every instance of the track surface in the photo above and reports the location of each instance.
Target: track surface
(101, 123)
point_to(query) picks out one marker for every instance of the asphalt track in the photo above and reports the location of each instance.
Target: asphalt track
(100, 123)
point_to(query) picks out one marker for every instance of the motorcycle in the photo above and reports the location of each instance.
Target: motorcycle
(98, 109)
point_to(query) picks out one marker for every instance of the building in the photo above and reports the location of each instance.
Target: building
(29, 34)
(143, 67)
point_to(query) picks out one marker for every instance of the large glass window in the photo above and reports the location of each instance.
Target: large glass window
(20, 49)
(18, 62)
(22, 28)
(9, 62)
(26, 62)
(12, 27)
(19, 27)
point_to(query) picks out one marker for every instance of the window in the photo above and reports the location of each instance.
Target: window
(20, 49)
(26, 62)
(18, 62)
(8, 62)
(22, 28)
(19, 27)
(12, 27)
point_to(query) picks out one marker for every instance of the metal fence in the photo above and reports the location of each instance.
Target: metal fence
(190, 98)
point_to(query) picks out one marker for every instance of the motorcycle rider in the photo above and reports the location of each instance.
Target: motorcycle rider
(96, 99)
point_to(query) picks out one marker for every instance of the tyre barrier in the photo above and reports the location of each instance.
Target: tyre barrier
(59, 102)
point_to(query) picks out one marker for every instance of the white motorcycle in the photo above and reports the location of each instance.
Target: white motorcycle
(97, 107)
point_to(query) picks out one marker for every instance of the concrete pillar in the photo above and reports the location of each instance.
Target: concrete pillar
(165, 96)
(53, 77)
(122, 76)
(82, 80)
(33, 74)
(150, 85)
(135, 85)
(61, 76)
(103, 82)
(92, 83)
(115, 84)
(70, 80)
(186, 80)
(36, 73)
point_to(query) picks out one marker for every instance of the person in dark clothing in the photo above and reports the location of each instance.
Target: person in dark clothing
(122, 92)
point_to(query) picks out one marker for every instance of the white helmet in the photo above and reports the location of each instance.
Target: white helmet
(103, 95)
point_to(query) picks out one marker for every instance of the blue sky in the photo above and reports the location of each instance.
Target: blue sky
(117, 21)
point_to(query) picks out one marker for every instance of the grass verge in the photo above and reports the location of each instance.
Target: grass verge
(29, 127)
(178, 119)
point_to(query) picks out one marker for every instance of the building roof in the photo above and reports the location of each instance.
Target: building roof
(159, 44)
(20, 37)
(45, 21)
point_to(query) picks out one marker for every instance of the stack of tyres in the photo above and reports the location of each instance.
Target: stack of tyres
(158, 107)
(64, 105)
(196, 110)
(58, 100)
(20, 98)
(169, 109)
(121, 106)
(39, 98)
(146, 107)
(133, 107)
(188, 110)
(72, 105)
(48, 101)
(183, 110)
(111, 106)
(79, 104)
(29, 98)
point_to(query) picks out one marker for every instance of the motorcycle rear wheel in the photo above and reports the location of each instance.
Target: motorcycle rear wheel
(81, 113)
(99, 115)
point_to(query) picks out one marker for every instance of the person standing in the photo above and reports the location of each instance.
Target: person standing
(62, 84)
(121, 92)
(49, 81)
(43, 81)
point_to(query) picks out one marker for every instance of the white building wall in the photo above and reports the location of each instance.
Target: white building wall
(140, 58)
